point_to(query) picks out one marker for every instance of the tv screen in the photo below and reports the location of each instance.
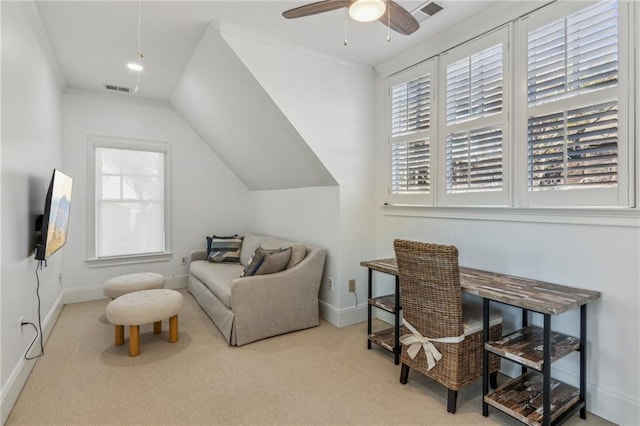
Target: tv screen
(55, 219)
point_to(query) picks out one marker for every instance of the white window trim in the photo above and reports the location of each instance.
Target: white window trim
(136, 144)
(426, 67)
(491, 198)
(623, 194)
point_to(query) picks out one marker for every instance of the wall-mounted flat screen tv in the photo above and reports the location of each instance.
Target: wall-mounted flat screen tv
(54, 222)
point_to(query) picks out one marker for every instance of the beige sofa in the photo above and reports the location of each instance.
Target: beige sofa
(246, 309)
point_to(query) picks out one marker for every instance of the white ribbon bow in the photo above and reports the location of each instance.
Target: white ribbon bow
(416, 341)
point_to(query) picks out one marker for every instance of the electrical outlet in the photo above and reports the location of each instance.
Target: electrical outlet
(20, 320)
(352, 286)
(183, 260)
(330, 280)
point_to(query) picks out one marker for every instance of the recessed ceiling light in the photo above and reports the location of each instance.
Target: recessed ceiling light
(134, 66)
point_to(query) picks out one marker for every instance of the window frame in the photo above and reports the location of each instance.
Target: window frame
(500, 197)
(96, 142)
(515, 106)
(623, 194)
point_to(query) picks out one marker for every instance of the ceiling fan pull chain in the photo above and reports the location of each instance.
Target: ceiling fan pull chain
(388, 21)
(140, 54)
(346, 20)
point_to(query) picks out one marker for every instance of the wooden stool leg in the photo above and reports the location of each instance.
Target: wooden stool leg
(134, 340)
(173, 329)
(157, 327)
(119, 335)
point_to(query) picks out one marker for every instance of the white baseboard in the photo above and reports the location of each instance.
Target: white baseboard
(342, 317)
(607, 403)
(87, 294)
(21, 372)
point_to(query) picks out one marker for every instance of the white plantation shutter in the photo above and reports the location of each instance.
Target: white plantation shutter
(410, 136)
(574, 55)
(474, 86)
(475, 123)
(411, 105)
(474, 160)
(410, 167)
(575, 147)
(573, 106)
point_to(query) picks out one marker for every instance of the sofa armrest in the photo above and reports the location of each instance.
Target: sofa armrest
(268, 305)
(197, 255)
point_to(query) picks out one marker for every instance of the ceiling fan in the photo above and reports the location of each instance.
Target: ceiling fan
(388, 12)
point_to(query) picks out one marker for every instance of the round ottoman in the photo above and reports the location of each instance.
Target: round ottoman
(143, 307)
(116, 287)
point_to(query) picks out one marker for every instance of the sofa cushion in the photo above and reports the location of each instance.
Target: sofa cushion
(224, 250)
(218, 277)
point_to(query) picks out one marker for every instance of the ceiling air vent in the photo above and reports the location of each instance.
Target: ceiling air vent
(117, 88)
(426, 10)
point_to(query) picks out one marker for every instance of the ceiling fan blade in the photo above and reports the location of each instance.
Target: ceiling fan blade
(401, 20)
(314, 8)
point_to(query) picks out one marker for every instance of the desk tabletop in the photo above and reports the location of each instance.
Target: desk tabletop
(538, 296)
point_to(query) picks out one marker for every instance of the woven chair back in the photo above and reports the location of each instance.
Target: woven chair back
(430, 293)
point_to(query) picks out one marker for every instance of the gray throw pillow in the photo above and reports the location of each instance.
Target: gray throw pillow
(275, 261)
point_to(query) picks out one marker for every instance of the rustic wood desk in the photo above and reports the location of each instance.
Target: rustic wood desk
(528, 397)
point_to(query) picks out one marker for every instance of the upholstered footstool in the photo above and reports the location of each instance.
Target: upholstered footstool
(142, 307)
(116, 287)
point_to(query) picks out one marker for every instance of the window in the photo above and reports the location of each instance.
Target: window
(536, 113)
(475, 126)
(573, 109)
(131, 198)
(410, 139)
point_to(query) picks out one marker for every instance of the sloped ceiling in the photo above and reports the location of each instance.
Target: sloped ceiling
(222, 101)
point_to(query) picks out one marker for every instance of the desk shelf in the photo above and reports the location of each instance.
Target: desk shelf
(521, 398)
(385, 338)
(525, 346)
(386, 303)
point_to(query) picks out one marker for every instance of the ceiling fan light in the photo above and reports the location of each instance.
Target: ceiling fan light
(367, 10)
(133, 66)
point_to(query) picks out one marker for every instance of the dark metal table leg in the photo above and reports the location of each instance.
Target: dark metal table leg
(485, 355)
(396, 347)
(525, 323)
(546, 372)
(583, 360)
(369, 308)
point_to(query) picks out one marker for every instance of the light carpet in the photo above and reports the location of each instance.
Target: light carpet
(323, 375)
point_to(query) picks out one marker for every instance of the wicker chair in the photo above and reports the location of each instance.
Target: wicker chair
(431, 301)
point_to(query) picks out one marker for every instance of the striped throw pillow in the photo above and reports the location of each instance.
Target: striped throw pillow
(224, 250)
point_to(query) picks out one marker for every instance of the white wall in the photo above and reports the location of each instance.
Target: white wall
(225, 104)
(207, 197)
(332, 105)
(311, 215)
(31, 149)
